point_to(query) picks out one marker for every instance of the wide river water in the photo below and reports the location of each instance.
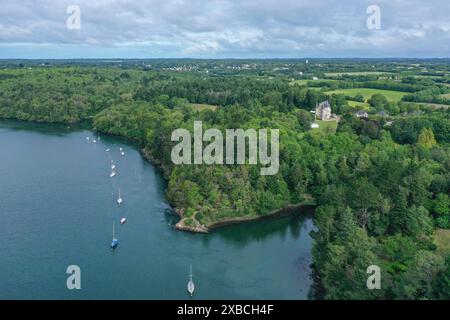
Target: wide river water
(57, 206)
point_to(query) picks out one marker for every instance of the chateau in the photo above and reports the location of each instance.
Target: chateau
(323, 110)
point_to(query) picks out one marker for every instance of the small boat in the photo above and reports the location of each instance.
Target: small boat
(113, 166)
(113, 173)
(94, 141)
(114, 241)
(98, 138)
(120, 149)
(107, 150)
(122, 153)
(119, 199)
(87, 138)
(123, 220)
(190, 285)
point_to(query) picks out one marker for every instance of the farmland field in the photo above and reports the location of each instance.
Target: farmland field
(357, 104)
(357, 73)
(367, 93)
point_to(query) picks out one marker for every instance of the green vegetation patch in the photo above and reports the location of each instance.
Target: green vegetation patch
(367, 93)
(442, 241)
(202, 106)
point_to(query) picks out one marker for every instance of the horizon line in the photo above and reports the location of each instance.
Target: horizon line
(240, 58)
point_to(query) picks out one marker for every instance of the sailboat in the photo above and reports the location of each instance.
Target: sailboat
(113, 166)
(190, 285)
(122, 153)
(119, 199)
(114, 241)
(113, 173)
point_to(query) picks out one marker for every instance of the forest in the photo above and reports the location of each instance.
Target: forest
(380, 183)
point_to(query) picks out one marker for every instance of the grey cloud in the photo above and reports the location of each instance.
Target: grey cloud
(222, 28)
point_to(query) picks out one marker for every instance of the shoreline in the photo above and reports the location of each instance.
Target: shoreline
(180, 225)
(199, 228)
(279, 213)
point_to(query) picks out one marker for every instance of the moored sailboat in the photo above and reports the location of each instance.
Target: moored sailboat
(119, 199)
(114, 241)
(190, 285)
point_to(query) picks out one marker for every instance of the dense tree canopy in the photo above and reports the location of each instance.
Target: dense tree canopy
(381, 189)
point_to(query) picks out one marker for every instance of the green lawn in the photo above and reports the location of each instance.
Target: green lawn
(304, 82)
(201, 107)
(359, 105)
(325, 127)
(367, 93)
(442, 240)
(301, 82)
(356, 73)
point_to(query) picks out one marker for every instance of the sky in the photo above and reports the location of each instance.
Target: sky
(46, 29)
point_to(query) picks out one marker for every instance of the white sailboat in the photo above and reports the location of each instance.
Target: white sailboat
(113, 166)
(114, 241)
(119, 199)
(113, 173)
(122, 153)
(190, 285)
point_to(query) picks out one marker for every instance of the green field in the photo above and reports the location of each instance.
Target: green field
(325, 127)
(367, 93)
(442, 240)
(304, 82)
(359, 105)
(202, 106)
(356, 73)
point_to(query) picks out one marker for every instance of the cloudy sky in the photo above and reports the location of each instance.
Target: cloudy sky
(223, 29)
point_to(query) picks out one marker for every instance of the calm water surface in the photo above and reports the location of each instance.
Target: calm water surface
(57, 204)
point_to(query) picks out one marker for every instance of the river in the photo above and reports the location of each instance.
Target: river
(57, 206)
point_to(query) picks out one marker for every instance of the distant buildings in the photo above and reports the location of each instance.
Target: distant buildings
(362, 114)
(323, 110)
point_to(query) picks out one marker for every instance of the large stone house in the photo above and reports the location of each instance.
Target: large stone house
(323, 110)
